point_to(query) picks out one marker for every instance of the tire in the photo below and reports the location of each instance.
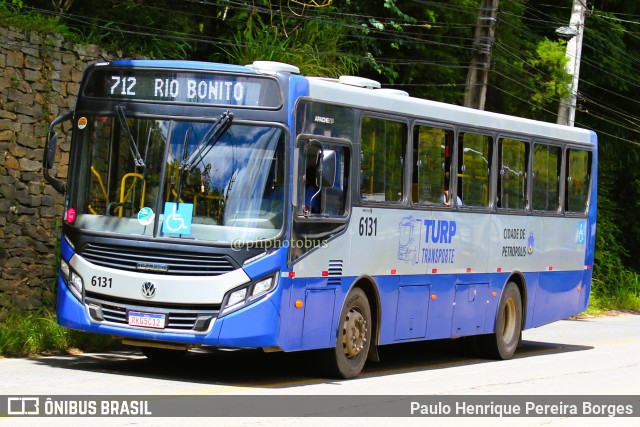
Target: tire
(502, 344)
(162, 355)
(349, 355)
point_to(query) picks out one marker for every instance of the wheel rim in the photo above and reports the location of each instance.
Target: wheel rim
(509, 321)
(354, 333)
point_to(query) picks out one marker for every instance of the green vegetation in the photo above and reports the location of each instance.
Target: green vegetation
(310, 47)
(13, 14)
(28, 334)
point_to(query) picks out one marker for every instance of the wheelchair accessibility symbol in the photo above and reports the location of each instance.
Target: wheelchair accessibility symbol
(582, 230)
(177, 218)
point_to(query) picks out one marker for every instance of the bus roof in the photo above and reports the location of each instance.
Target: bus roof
(257, 67)
(384, 100)
(366, 94)
(180, 65)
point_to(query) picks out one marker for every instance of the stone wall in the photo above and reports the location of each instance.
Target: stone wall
(39, 79)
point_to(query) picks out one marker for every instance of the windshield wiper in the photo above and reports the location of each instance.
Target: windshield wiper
(210, 139)
(133, 147)
(182, 172)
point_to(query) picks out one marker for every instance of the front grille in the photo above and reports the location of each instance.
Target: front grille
(179, 319)
(161, 261)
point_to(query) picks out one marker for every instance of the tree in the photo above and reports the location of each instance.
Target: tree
(307, 39)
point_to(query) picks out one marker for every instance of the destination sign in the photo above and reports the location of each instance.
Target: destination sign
(184, 87)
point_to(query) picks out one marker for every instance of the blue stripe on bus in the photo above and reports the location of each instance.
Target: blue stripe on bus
(413, 310)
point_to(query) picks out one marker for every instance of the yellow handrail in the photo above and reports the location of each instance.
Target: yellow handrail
(124, 196)
(102, 188)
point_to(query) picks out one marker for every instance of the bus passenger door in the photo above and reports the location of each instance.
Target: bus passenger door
(319, 246)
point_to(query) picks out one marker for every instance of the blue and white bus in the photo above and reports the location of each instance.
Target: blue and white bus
(252, 207)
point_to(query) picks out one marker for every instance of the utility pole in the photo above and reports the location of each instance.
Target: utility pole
(478, 74)
(567, 108)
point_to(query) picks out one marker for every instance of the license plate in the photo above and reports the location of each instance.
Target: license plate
(148, 320)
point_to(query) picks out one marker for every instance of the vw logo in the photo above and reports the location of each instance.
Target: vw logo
(148, 289)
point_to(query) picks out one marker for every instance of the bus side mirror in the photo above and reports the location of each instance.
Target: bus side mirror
(50, 153)
(296, 162)
(50, 148)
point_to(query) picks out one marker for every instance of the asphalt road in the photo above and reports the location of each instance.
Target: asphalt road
(590, 356)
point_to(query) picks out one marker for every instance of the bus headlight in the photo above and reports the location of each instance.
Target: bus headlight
(237, 298)
(261, 287)
(75, 285)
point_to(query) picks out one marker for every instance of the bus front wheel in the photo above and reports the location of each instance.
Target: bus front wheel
(503, 343)
(349, 355)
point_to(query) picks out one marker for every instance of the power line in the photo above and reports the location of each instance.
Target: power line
(418, 38)
(631, 119)
(389, 33)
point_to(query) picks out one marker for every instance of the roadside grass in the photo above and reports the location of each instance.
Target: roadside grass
(37, 333)
(623, 302)
(618, 290)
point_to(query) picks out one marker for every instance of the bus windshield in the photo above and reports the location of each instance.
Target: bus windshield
(198, 180)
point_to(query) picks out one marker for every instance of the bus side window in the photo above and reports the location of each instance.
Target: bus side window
(547, 161)
(382, 166)
(474, 170)
(578, 180)
(432, 165)
(512, 174)
(325, 179)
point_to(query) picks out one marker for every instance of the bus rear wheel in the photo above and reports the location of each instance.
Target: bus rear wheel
(349, 355)
(508, 331)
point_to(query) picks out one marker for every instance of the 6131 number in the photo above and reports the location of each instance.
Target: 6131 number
(101, 281)
(368, 226)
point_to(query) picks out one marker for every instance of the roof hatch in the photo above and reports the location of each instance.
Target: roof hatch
(360, 82)
(276, 67)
